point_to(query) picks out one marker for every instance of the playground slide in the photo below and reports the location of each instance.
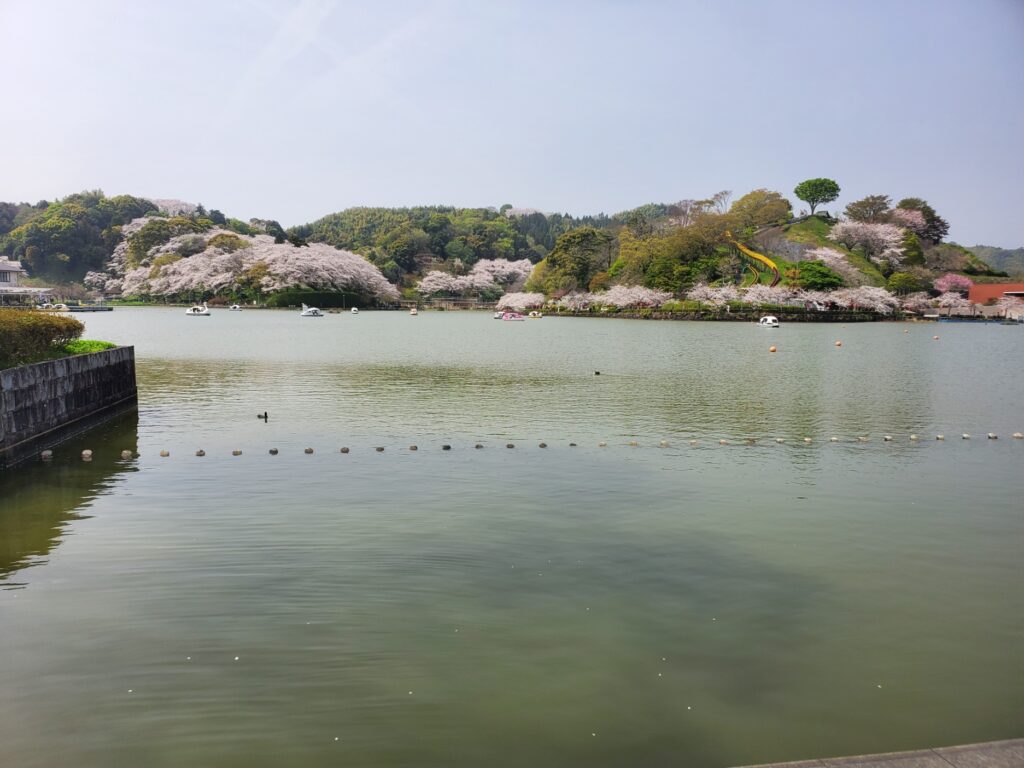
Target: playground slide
(759, 257)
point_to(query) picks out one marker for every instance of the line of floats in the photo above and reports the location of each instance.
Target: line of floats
(87, 454)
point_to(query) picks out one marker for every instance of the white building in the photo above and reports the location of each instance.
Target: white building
(11, 292)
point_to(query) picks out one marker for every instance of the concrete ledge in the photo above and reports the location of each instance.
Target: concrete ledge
(992, 754)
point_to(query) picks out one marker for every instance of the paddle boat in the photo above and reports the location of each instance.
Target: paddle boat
(768, 321)
(535, 315)
(310, 312)
(199, 310)
(414, 311)
(235, 308)
(513, 316)
(355, 310)
(498, 315)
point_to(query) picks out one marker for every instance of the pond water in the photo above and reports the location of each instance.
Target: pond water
(695, 605)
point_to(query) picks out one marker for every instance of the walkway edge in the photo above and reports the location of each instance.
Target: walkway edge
(992, 754)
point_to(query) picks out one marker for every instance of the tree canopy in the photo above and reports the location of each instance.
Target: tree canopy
(817, 192)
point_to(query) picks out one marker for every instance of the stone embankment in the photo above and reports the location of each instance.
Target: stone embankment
(993, 754)
(44, 404)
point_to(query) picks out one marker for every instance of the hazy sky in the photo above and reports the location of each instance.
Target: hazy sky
(290, 110)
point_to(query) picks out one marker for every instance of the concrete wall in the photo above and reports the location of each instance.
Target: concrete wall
(46, 403)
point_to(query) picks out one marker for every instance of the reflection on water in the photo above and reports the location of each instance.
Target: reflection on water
(40, 498)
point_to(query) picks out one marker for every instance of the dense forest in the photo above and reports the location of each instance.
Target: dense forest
(135, 246)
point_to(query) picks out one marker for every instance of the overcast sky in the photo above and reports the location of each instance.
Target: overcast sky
(290, 110)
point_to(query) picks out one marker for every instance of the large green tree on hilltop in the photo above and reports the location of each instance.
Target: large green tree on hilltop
(761, 208)
(817, 192)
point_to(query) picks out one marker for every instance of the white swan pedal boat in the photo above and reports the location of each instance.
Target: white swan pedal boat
(310, 312)
(768, 321)
(199, 310)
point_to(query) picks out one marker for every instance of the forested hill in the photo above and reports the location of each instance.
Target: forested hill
(669, 247)
(1003, 259)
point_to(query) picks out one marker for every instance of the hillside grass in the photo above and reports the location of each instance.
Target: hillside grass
(814, 232)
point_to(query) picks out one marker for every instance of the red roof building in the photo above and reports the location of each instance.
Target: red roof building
(983, 293)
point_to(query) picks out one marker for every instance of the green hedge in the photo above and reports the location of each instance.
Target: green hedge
(28, 335)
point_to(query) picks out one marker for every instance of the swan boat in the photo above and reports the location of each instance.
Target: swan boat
(235, 308)
(310, 312)
(199, 310)
(768, 321)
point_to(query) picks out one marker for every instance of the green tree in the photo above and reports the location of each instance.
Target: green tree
(870, 209)
(816, 276)
(761, 208)
(817, 192)
(905, 282)
(578, 254)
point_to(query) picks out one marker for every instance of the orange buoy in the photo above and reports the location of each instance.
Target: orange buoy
(839, 343)
(935, 337)
(772, 348)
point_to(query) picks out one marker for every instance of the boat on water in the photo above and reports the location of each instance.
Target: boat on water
(513, 316)
(235, 308)
(414, 311)
(768, 321)
(310, 312)
(55, 307)
(497, 315)
(199, 310)
(535, 315)
(355, 310)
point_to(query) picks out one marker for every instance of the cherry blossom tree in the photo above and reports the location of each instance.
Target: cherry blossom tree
(866, 297)
(1010, 306)
(759, 295)
(879, 242)
(919, 301)
(437, 282)
(716, 296)
(952, 300)
(952, 282)
(908, 219)
(625, 296)
(520, 301)
(577, 302)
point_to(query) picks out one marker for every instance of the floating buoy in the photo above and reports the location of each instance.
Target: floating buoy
(200, 452)
(772, 348)
(273, 451)
(905, 330)
(887, 438)
(839, 343)
(833, 439)
(693, 442)
(126, 454)
(165, 454)
(379, 449)
(413, 448)
(308, 451)
(344, 450)
(779, 440)
(602, 444)
(663, 444)
(510, 445)
(965, 436)
(913, 437)
(86, 455)
(47, 455)
(940, 437)
(993, 436)
(543, 445)
(1016, 436)
(807, 439)
(478, 445)
(446, 447)
(862, 439)
(723, 442)
(236, 452)
(935, 337)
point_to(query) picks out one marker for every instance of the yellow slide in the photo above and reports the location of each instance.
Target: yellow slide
(759, 257)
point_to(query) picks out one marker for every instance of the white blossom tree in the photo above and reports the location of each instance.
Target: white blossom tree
(716, 296)
(520, 301)
(866, 297)
(879, 242)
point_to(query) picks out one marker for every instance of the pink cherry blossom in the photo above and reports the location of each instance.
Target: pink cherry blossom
(520, 301)
(879, 242)
(952, 282)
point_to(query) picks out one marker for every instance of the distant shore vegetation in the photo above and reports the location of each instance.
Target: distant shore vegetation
(876, 253)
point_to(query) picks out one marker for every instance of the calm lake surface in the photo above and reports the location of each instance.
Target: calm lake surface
(570, 606)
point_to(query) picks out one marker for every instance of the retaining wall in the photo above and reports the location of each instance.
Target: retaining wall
(44, 404)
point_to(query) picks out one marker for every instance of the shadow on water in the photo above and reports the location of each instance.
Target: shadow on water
(41, 498)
